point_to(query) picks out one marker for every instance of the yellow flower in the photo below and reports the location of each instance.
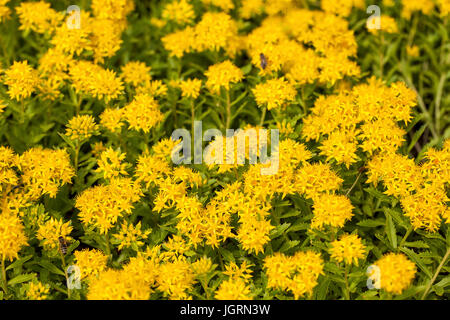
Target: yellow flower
(143, 113)
(396, 272)
(348, 248)
(5, 11)
(235, 272)
(101, 206)
(12, 236)
(81, 128)
(111, 119)
(44, 171)
(330, 209)
(92, 79)
(340, 146)
(221, 75)
(214, 31)
(425, 6)
(190, 88)
(175, 279)
(90, 261)
(179, 42)
(21, 79)
(297, 273)
(444, 7)
(51, 230)
(413, 51)
(251, 8)
(276, 93)
(233, 289)
(202, 266)
(225, 5)
(387, 24)
(136, 73)
(253, 234)
(130, 236)
(110, 164)
(315, 179)
(151, 169)
(38, 16)
(341, 7)
(179, 11)
(97, 149)
(37, 291)
(118, 285)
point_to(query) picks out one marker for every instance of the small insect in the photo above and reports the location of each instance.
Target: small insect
(263, 61)
(62, 245)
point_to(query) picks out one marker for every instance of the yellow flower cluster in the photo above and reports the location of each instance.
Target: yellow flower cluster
(366, 116)
(81, 128)
(50, 231)
(101, 206)
(37, 291)
(421, 189)
(21, 79)
(143, 113)
(222, 75)
(91, 262)
(349, 248)
(275, 93)
(12, 236)
(297, 273)
(396, 272)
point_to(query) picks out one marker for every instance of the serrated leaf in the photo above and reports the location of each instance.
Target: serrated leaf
(19, 262)
(289, 245)
(51, 267)
(371, 223)
(391, 232)
(21, 278)
(279, 230)
(417, 260)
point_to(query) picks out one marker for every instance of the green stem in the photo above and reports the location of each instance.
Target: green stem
(77, 153)
(353, 185)
(5, 283)
(435, 274)
(228, 122)
(108, 247)
(381, 53)
(263, 116)
(65, 272)
(408, 232)
(347, 289)
(22, 115)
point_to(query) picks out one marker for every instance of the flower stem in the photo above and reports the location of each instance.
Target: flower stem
(228, 111)
(65, 272)
(347, 290)
(435, 274)
(5, 283)
(263, 116)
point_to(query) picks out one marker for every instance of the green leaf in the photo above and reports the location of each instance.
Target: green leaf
(416, 137)
(21, 278)
(289, 245)
(415, 258)
(51, 267)
(371, 223)
(279, 230)
(19, 262)
(391, 232)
